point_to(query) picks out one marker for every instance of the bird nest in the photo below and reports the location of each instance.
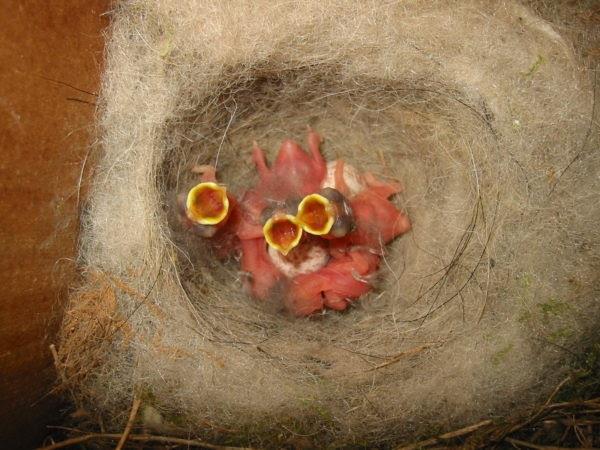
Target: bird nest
(482, 111)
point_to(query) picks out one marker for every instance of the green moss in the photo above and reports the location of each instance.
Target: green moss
(524, 316)
(546, 314)
(535, 66)
(147, 396)
(165, 46)
(553, 307)
(176, 419)
(560, 335)
(591, 358)
(525, 280)
(500, 355)
(315, 408)
(324, 413)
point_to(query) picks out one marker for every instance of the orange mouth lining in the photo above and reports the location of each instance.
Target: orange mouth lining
(282, 232)
(315, 214)
(207, 203)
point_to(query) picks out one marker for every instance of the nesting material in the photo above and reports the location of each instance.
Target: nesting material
(481, 108)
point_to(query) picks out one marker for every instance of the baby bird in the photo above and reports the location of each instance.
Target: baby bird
(317, 229)
(378, 221)
(206, 207)
(335, 286)
(268, 212)
(282, 232)
(294, 173)
(366, 222)
(327, 214)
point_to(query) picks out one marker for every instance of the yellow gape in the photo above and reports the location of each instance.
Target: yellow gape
(207, 203)
(316, 214)
(282, 232)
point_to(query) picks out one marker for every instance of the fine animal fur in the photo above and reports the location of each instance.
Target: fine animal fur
(483, 110)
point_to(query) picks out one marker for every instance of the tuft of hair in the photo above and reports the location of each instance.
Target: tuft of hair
(484, 110)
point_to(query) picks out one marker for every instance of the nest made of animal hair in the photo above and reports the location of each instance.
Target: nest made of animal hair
(480, 108)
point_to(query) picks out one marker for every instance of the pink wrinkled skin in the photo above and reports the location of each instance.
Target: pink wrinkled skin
(378, 221)
(334, 286)
(294, 173)
(262, 274)
(354, 259)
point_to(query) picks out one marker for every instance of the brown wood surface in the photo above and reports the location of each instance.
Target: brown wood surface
(45, 133)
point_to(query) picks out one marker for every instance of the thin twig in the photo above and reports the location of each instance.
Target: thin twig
(399, 356)
(545, 409)
(556, 389)
(517, 442)
(62, 376)
(539, 414)
(149, 438)
(57, 367)
(447, 436)
(132, 415)
(73, 441)
(575, 404)
(465, 430)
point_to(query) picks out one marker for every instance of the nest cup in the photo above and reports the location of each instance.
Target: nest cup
(480, 109)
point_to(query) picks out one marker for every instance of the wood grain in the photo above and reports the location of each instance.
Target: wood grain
(45, 132)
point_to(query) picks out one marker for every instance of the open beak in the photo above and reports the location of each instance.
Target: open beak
(316, 214)
(207, 203)
(326, 214)
(282, 232)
